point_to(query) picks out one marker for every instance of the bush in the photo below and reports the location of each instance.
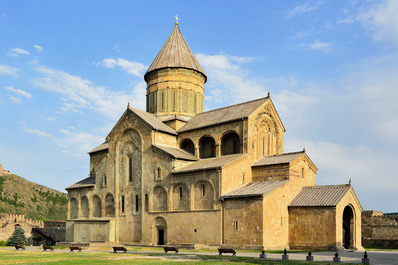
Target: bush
(18, 237)
(3, 243)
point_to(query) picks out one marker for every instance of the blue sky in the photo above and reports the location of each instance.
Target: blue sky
(68, 69)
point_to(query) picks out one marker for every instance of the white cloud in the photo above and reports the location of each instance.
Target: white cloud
(382, 20)
(77, 93)
(132, 68)
(78, 143)
(229, 79)
(38, 48)
(17, 51)
(15, 100)
(18, 91)
(38, 132)
(322, 46)
(307, 7)
(7, 70)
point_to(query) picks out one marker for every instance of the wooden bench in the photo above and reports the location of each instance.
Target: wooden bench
(19, 247)
(116, 249)
(45, 248)
(226, 250)
(73, 248)
(166, 249)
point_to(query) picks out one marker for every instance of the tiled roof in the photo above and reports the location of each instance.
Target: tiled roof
(176, 152)
(102, 147)
(87, 182)
(175, 53)
(254, 189)
(209, 163)
(329, 195)
(278, 159)
(222, 115)
(153, 121)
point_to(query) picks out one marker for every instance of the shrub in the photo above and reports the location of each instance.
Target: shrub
(18, 237)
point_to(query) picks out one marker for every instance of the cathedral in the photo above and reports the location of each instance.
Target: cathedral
(178, 175)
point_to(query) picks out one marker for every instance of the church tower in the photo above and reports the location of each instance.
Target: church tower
(175, 81)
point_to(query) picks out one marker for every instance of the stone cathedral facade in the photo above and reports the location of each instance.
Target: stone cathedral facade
(174, 174)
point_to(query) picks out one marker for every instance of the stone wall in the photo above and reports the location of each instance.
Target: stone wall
(9, 221)
(379, 230)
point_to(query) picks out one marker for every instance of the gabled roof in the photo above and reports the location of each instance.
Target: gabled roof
(175, 53)
(254, 189)
(176, 152)
(329, 195)
(153, 121)
(102, 147)
(209, 163)
(85, 183)
(222, 115)
(278, 159)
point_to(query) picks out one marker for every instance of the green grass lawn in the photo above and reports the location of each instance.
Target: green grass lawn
(39, 257)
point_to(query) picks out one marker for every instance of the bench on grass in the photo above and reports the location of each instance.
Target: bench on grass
(226, 250)
(45, 248)
(166, 249)
(73, 248)
(116, 249)
(19, 247)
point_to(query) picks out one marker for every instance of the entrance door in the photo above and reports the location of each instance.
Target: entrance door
(160, 237)
(348, 228)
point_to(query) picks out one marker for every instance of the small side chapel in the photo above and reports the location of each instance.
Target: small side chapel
(174, 174)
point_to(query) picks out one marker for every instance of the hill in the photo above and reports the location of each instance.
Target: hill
(38, 202)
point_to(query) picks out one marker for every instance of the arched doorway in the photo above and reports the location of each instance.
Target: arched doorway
(207, 147)
(188, 146)
(348, 227)
(159, 236)
(230, 144)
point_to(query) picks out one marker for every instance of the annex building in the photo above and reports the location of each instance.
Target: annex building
(174, 174)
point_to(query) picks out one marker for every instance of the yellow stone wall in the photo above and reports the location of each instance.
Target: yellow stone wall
(175, 91)
(242, 223)
(312, 227)
(236, 174)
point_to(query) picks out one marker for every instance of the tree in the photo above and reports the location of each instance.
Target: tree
(18, 237)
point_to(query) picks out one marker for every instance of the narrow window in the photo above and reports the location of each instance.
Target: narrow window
(194, 104)
(146, 202)
(174, 100)
(185, 102)
(104, 181)
(263, 146)
(162, 100)
(180, 192)
(236, 225)
(136, 203)
(122, 203)
(130, 169)
(302, 172)
(159, 173)
(203, 190)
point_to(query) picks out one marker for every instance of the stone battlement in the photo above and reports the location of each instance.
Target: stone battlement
(19, 218)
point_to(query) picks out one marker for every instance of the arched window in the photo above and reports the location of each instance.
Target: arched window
(97, 207)
(73, 209)
(203, 196)
(230, 144)
(180, 197)
(109, 206)
(188, 146)
(159, 199)
(207, 147)
(84, 207)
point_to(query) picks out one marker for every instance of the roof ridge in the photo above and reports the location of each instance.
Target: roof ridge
(230, 106)
(284, 154)
(325, 186)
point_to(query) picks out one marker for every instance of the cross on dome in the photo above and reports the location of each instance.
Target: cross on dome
(177, 18)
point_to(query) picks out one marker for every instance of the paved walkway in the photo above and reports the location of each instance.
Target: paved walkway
(376, 257)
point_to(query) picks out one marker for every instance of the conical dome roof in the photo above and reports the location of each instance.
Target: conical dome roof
(176, 54)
